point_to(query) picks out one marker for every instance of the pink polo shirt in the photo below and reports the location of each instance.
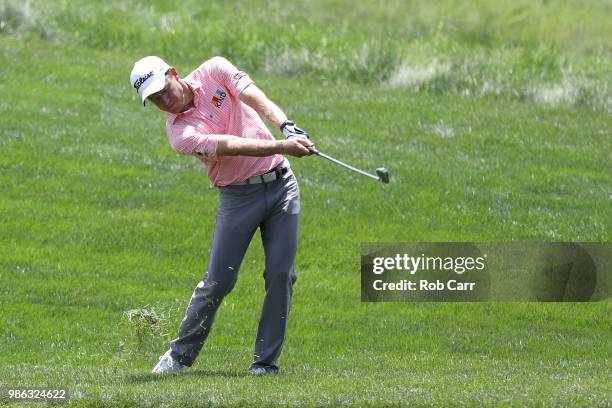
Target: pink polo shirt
(218, 111)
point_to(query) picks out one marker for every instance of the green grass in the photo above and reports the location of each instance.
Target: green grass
(556, 53)
(93, 201)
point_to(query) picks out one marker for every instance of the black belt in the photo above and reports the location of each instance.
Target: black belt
(277, 173)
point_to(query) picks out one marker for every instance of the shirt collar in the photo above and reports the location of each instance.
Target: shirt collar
(195, 87)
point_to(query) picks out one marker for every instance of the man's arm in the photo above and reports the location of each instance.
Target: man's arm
(256, 99)
(237, 146)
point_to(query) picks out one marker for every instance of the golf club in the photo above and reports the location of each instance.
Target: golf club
(382, 173)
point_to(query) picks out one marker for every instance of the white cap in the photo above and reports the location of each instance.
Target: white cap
(149, 76)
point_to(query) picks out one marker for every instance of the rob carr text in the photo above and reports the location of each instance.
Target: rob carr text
(424, 285)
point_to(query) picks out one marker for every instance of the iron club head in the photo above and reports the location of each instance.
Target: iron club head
(383, 174)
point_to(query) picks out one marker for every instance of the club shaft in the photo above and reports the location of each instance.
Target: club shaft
(318, 153)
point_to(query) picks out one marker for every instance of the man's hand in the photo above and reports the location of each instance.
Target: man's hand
(289, 129)
(297, 147)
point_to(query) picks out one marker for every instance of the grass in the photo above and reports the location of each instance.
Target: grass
(93, 204)
(553, 54)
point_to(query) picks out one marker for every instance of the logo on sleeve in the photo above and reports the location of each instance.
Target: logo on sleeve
(238, 75)
(218, 98)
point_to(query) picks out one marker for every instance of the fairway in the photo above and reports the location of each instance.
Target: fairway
(493, 119)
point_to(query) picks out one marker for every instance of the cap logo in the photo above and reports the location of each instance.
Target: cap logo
(142, 80)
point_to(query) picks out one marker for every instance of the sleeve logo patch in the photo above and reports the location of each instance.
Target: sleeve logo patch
(238, 75)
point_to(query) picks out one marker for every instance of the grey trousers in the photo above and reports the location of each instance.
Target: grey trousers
(273, 207)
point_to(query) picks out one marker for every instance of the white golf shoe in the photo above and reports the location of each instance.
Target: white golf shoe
(263, 370)
(167, 365)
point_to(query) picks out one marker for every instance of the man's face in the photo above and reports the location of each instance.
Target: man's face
(171, 97)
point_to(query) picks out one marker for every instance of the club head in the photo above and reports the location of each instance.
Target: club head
(383, 174)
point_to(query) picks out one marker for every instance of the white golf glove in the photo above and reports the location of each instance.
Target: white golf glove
(290, 130)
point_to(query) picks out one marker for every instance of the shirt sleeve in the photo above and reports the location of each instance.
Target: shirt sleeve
(225, 72)
(188, 140)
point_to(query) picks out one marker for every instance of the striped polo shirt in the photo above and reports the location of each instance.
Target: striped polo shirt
(216, 85)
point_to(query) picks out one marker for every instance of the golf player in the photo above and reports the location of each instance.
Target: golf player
(213, 114)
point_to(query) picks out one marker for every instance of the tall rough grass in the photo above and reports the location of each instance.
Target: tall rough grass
(553, 53)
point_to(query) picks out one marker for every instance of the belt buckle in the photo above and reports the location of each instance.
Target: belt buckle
(280, 171)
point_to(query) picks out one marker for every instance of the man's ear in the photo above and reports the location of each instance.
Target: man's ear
(174, 72)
